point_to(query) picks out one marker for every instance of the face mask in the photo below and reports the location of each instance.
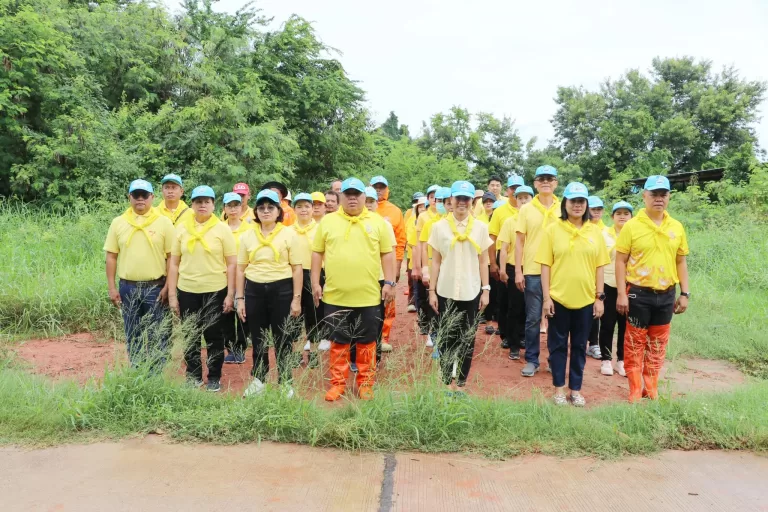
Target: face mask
(441, 209)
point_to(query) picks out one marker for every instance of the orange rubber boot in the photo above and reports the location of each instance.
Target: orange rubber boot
(655, 352)
(339, 370)
(389, 318)
(634, 347)
(366, 369)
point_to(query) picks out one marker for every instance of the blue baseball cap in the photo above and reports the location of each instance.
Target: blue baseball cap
(379, 180)
(141, 185)
(303, 196)
(595, 202)
(370, 193)
(546, 170)
(657, 183)
(352, 184)
(433, 188)
(463, 189)
(620, 205)
(268, 194)
(443, 193)
(203, 191)
(416, 196)
(173, 178)
(576, 190)
(515, 181)
(525, 189)
(498, 203)
(232, 196)
(489, 196)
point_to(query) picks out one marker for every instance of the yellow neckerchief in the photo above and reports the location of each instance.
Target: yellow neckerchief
(175, 214)
(575, 233)
(611, 232)
(197, 236)
(129, 215)
(267, 241)
(661, 234)
(304, 231)
(600, 224)
(242, 228)
(354, 220)
(462, 237)
(547, 212)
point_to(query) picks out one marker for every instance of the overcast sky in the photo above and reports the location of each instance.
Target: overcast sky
(419, 57)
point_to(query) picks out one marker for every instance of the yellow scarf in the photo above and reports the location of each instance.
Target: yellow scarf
(662, 237)
(575, 233)
(547, 212)
(611, 232)
(242, 228)
(197, 236)
(129, 215)
(175, 214)
(305, 230)
(267, 241)
(354, 220)
(463, 237)
(600, 224)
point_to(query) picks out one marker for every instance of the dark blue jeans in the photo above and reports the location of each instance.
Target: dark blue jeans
(533, 300)
(575, 323)
(146, 334)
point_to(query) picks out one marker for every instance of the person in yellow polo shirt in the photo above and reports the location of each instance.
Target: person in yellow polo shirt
(412, 242)
(407, 221)
(494, 187)
(572, 255)
(533, 218)
(650, 261)
(201, 284)
(355, 245)
(269, 281)
(137, 246)
(596, 209)
(444, 206)
(459, 282)
(172, 206)
(318, 206)
(423, 304)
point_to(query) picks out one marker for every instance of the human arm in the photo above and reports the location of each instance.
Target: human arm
(503, 254)
(599, 306)
(492, 259)
(681, 304)
(111, 264)
(297, 273)
(229, 300)
(437, 259)
(519, 247)
(548, 307)
(314, 277)
(622, 301)
(388, 261)
(240, 291)
(485, 295)
(173, 279)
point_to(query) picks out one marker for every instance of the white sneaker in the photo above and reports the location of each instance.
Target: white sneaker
(386, 347)
(307, 346)
(256, 387)
(324, 345)
(594, 351)
(606, 368)
(411, 308)
(289, 394)
(620, 368)
(430, 343)
(455, 368)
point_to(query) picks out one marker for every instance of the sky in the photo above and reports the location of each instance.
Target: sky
(420, 57)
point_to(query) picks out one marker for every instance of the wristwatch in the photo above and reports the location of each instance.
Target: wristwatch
(687, 295)
(390, 283)
(486, 287)
(600, 296)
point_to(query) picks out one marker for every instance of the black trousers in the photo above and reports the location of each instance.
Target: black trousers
(235, 333)
(426, 313)
(312, 315)
(268, 310)
(456, 334)
(205, 312)
(594, 332)
(379, 329)
(610, 318)
(491, 312)
(515, 316)
(502, 306)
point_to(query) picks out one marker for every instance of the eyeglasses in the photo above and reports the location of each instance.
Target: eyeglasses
(266, 208)
(545, 179)
(140, 194)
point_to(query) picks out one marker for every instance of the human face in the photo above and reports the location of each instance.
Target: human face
(267, 211)
(371, 204)
(431, 200)
(318, 210)
(421, 209)
(621, 216)
(331, 204)
(233, 209)
(141, 201)
(495, 187)
(353, 202)
(523, 198)
(595, 214)
(656, 200)
(336, 187)
(545, 184)
(576, 207)
(461, 205)
(449, 204)
(511, 193)
(203, 208)
(303, 210)
(172, 191)
(488, 206)
(381, 191)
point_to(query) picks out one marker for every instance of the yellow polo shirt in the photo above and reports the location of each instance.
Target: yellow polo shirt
(574, 260)
(501, 214)
(483, 217)
(653, 250)
(531, 222)
(178, 215)
(425, 234)
(425, 217)
(139, 260)
(508, 235)
(459, 277)
(392, 232)
(352, 254)
(244, 227)
(408, 215)
(202, 271)
(304, 243)
(609, 273)
(262, 266)
(410, 238)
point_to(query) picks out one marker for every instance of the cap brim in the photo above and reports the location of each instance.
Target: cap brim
(464, 194)
(658, 187)
(171, 180)
(141, 189)
(353, 189)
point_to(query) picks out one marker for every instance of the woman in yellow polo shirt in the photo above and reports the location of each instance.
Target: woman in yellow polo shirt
(572, 255)
(269, 281)
(201, 284)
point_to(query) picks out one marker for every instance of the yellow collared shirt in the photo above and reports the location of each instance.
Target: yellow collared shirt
(262, 267)
(176, 216)
(529, 223)
(501, 214)
(508, 235)
(609, 273)
(203, 271)
(304, 245)
(140, 261)
(410, 237)
(244, 227)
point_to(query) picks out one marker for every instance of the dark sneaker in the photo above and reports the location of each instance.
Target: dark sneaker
(514, 354)
(504, 344)
(529, 370)
(229, 358)
(239, 358)
(353, 367)
(497, 332)
(214, 385)
(489, 329)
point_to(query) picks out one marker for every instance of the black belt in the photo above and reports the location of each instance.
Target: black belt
(160, 281)
(653, 290)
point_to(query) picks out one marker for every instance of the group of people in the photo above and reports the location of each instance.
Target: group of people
(322, 267)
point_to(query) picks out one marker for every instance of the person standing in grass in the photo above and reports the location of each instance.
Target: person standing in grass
(138, 245)
(412, 241)
(318, 206)
(172, 206)
(201, 284)
(596, 208)
(621, 213)
(408, 221)
(572, 255)
(269, 282)
(236, 331)
(650, 261)
(355, 245)
(332, 199)
(532, 220)
(459, 281)
(515, 299)
(423, 304)
(444, 206)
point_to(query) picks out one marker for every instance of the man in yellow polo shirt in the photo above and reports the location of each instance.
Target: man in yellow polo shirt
(355, 245)
(172, 206)
(650, 261)
(138, 245)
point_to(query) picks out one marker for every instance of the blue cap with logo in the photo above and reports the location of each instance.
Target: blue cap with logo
(303, 196)
(232, 196)
(546, 170)
(416, 196)
(515, 181)
(432, 188)
(443, 193)
(370, 193)
(463, 189)
(376, 180)
(525, 189)
(141, 185)
(203, 191)
(595, 202)
(269, 195)
(352, 184)
(576, 190)
(173, 178)
(498, 203)
(620, 205)
(657, 183)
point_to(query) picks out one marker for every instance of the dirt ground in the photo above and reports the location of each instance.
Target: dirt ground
(82, 357)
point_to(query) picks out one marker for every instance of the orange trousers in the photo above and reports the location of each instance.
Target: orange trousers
(389, 319)
(644, 353)
(365, 358)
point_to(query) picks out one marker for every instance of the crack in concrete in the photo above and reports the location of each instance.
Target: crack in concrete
(386, 500)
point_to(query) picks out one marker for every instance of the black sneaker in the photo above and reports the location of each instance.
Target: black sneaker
(514, 354)
(497, 332)
(229, 359)
(353, 367)
(504, 344)
(489, 329)
(214, 385)
(239, 358)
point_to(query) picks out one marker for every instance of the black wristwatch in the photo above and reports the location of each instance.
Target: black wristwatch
(687, 295)
(601, 296)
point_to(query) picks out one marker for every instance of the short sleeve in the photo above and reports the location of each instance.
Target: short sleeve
(507, 233)
(545, 255)
(242, 254)
(433, 240)
(421, 222)
(110, 244)
(295, 250)
(424, 235)
(318, 243)
(169, 235)
(176, 248)
(386, 238)
(392, 234)
(603, 258)
(486, 239)
(624, 242)
(495, 226)
(228, 242)
(521, 226)
(683, 249)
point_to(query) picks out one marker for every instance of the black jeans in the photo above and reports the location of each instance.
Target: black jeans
(456, 335)
(426, 313)
(235, 334)
(610, 318)
(594, 332)
(268, 310)
(312, 315)
(515, 324)
(574, 323)
(648, 308)
(205, 310)
(491, 312)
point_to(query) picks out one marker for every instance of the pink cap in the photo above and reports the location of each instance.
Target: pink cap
(241, 188)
